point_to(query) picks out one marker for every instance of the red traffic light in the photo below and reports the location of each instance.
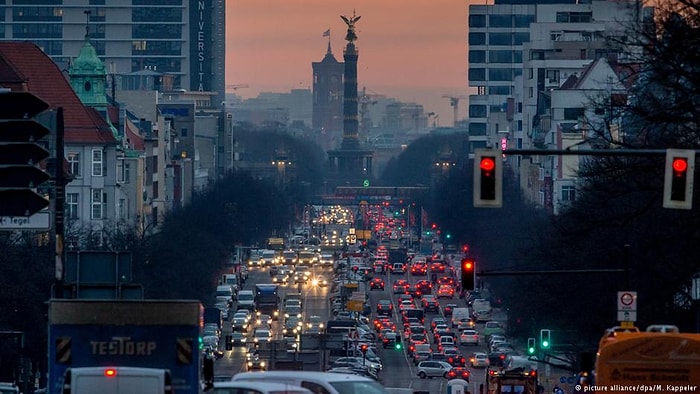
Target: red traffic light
(467, 264)
(487, 164)
(364, 348)
(680, 165)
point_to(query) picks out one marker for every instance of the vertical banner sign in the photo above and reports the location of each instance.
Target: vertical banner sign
(201, 45)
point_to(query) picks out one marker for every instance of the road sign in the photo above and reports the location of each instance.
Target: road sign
(630, 316)
(38, 221)
(626, 300)
(355, 305)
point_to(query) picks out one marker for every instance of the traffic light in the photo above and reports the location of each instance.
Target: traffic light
(363, 348)
(468, 274)
(545, 340)
(20, 154)
(678, 178)
(488, 178)
(531, 346)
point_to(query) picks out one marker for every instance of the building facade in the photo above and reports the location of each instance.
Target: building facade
(520, 54)
(184, 39)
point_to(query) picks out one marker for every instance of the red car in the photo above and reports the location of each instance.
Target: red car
(419, 268)
(376, 283)
(437, 266)
(458, 373)
(446, 280)
(400, 286)
(446, 291)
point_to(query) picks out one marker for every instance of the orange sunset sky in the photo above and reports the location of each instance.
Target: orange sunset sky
(412, 50)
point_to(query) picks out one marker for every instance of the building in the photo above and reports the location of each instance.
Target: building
(184, 39)
(519, 53)
(92, 199)
(327, 123)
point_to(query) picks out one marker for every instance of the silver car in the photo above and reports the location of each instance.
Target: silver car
(430, 369)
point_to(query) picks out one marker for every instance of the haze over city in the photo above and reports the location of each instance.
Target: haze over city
(413, 51)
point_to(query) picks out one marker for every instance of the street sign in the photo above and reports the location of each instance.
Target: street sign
(38, 221)
(630, 316)
(627, 306)
(355, 305)
(627, 300)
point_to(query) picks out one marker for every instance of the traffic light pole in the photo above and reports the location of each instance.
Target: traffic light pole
(59, 198)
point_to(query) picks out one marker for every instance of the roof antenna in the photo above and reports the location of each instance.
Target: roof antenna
(87, 24)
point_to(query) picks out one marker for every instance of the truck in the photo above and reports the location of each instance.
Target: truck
(276, 244)
(657, 358)
(157, 334)
(267, 300)
(516, 380)
(213, 315)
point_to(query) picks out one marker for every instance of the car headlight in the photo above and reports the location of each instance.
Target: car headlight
(286, 315)
(255, 339)
(320, 325)
(262, 364)
(250, 363)
(284, 331)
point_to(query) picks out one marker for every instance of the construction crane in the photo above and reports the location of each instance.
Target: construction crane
(454, 103)
(237, 86)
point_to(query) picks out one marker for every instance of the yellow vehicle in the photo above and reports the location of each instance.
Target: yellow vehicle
(658, 359)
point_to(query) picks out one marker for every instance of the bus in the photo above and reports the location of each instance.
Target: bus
(117, 380)
(657, 358)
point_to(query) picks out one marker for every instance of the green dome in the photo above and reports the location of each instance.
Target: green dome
(87, 62)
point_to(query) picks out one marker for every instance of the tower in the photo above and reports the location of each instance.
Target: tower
(88, 75)
(327, 98)
(350, 165)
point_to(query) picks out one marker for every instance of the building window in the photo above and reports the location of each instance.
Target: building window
(523, 20)
(121, 208)
(568, 193)
(97, 200)
(477, 38)
(500, 39)
(477, 57)
(477, 111)
(501, 90)
(573, 113)
(500, 74)
(97, 162)
(477, 20)
(183, 132)
(552, 76)
(500, 56)
(500, 21)
(520, 38)
(530, 92)
(74, 164)
(477, 74)
(477, 128)
(71, 205)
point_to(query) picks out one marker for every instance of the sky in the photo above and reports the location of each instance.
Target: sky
(411, 50)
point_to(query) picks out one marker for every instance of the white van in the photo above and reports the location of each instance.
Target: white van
(231, 280)
(316, 382)
(117, 380)
(459, 314)
(246, 300)
(256, 387)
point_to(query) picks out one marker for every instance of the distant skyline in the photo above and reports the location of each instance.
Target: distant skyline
(414, 51)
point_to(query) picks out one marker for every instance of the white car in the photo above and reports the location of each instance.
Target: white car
(262, 335)
(469, 337)
(479, 359)
(430, 369)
